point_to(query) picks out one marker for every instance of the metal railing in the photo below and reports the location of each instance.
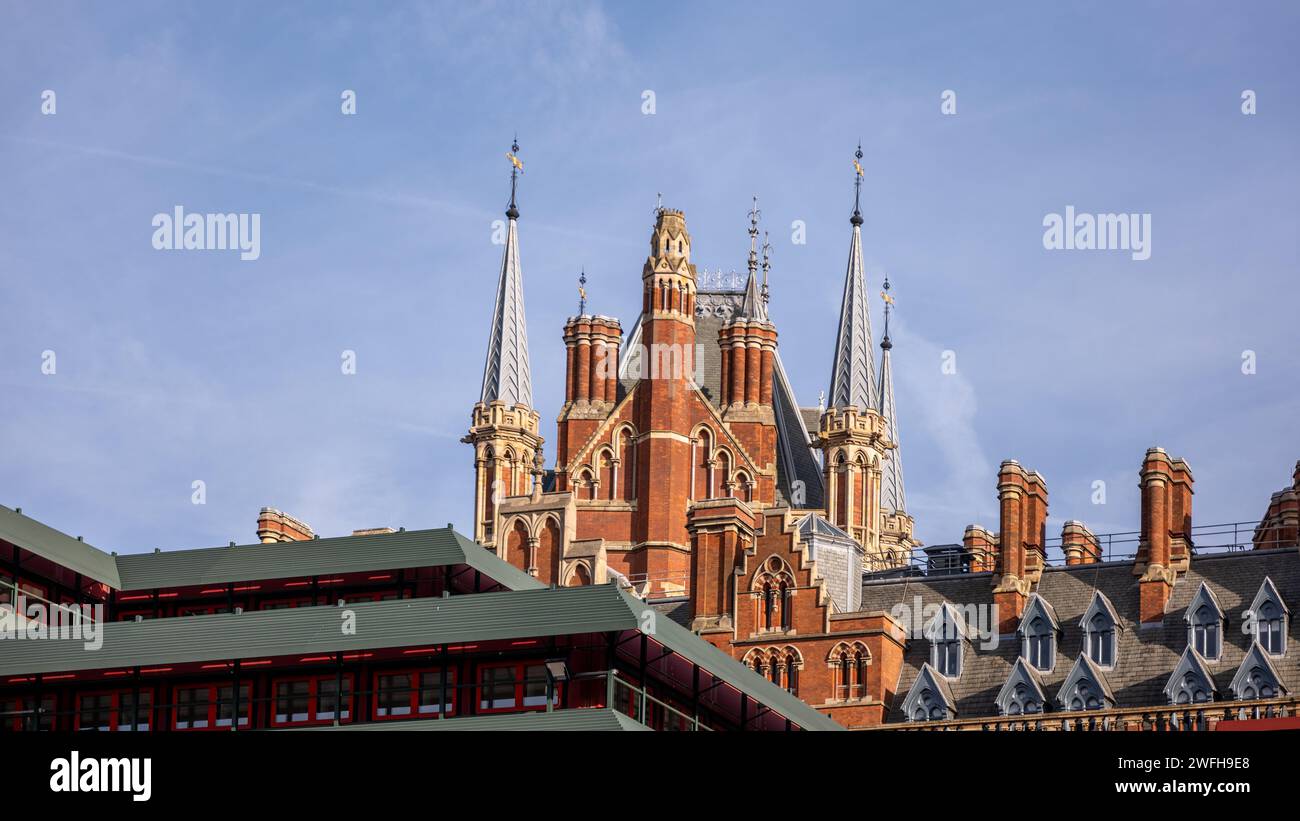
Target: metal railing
(1170, 718)
(1211, 539)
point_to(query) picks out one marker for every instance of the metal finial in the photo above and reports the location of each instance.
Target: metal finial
(888, 300)
(856, 219)
(754, 214)
(767, 266)
(516, 168)
(582, 292)
(659, 202)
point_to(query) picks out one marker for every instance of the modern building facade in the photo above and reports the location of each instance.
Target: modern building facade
(371, 629)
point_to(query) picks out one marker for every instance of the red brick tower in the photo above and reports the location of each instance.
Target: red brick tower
(664, 403)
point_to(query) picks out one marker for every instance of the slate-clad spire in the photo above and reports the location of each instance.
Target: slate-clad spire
(853, 378)
(506, 375)
(754, 305)
(891, 478)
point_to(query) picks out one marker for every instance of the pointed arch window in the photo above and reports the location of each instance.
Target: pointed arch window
(1038, 633)
(947, 632)
(849, 664)
(1205, 624)
(774, 591)
(1269, 616)
(1100, 627)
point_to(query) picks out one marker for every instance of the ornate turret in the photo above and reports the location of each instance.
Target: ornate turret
(853, 435)
(852, 371)
(504, 426)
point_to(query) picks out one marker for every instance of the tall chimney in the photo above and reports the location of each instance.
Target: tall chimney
(982, 546)
(1160, 503)
(1022, 500)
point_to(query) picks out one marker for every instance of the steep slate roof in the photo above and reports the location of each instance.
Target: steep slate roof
(506, 373)
(438, 547)
(589, 720)
(1145, 656)
(391, 624)
(58, 547)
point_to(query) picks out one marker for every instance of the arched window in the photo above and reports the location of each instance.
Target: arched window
(844, 682)
(848, 663)
(1205, 632)
(1040, 644)
(1101, 640)
(1205, 624)
(946, 632)
(1100, 625)
(773, 591)
(1268, 616)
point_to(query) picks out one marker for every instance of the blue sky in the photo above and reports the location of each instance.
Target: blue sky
(376, 237)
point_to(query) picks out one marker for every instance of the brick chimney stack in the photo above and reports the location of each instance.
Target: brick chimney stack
(1280, 526)
(1165, 544)
(277, 526)
(1022, 499)
(982, 546)
(1079, 544)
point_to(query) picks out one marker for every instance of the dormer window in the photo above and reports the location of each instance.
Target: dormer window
(1257, 678)
(1022, 694)
(946, 632)
(1191, 682)
(1268, 615)
(1205, 624)
(929, 698)
(1038, 629)
(1085, 687)
(1100, 625)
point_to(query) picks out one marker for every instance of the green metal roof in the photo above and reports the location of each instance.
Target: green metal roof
(589, 720)
(393, 624)
(59, 548)
(315, 557)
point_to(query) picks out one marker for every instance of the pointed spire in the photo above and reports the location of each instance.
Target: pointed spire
(754, 305)
(891, 478)
(853, 378)
(506, 374)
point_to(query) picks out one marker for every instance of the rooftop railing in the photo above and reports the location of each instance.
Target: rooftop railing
(1171, 718)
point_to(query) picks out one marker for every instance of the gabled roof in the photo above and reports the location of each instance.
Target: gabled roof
(1256, 668)
(1084, 672)
(1268, 592)
(438, 547)
(1204, 595)
(1038, 606)
(587, 720)
(1100, 603)
(60, 548)
(948, 620)
(1190, 664)
(1021, 675)
(815, 524)
(929, 681)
